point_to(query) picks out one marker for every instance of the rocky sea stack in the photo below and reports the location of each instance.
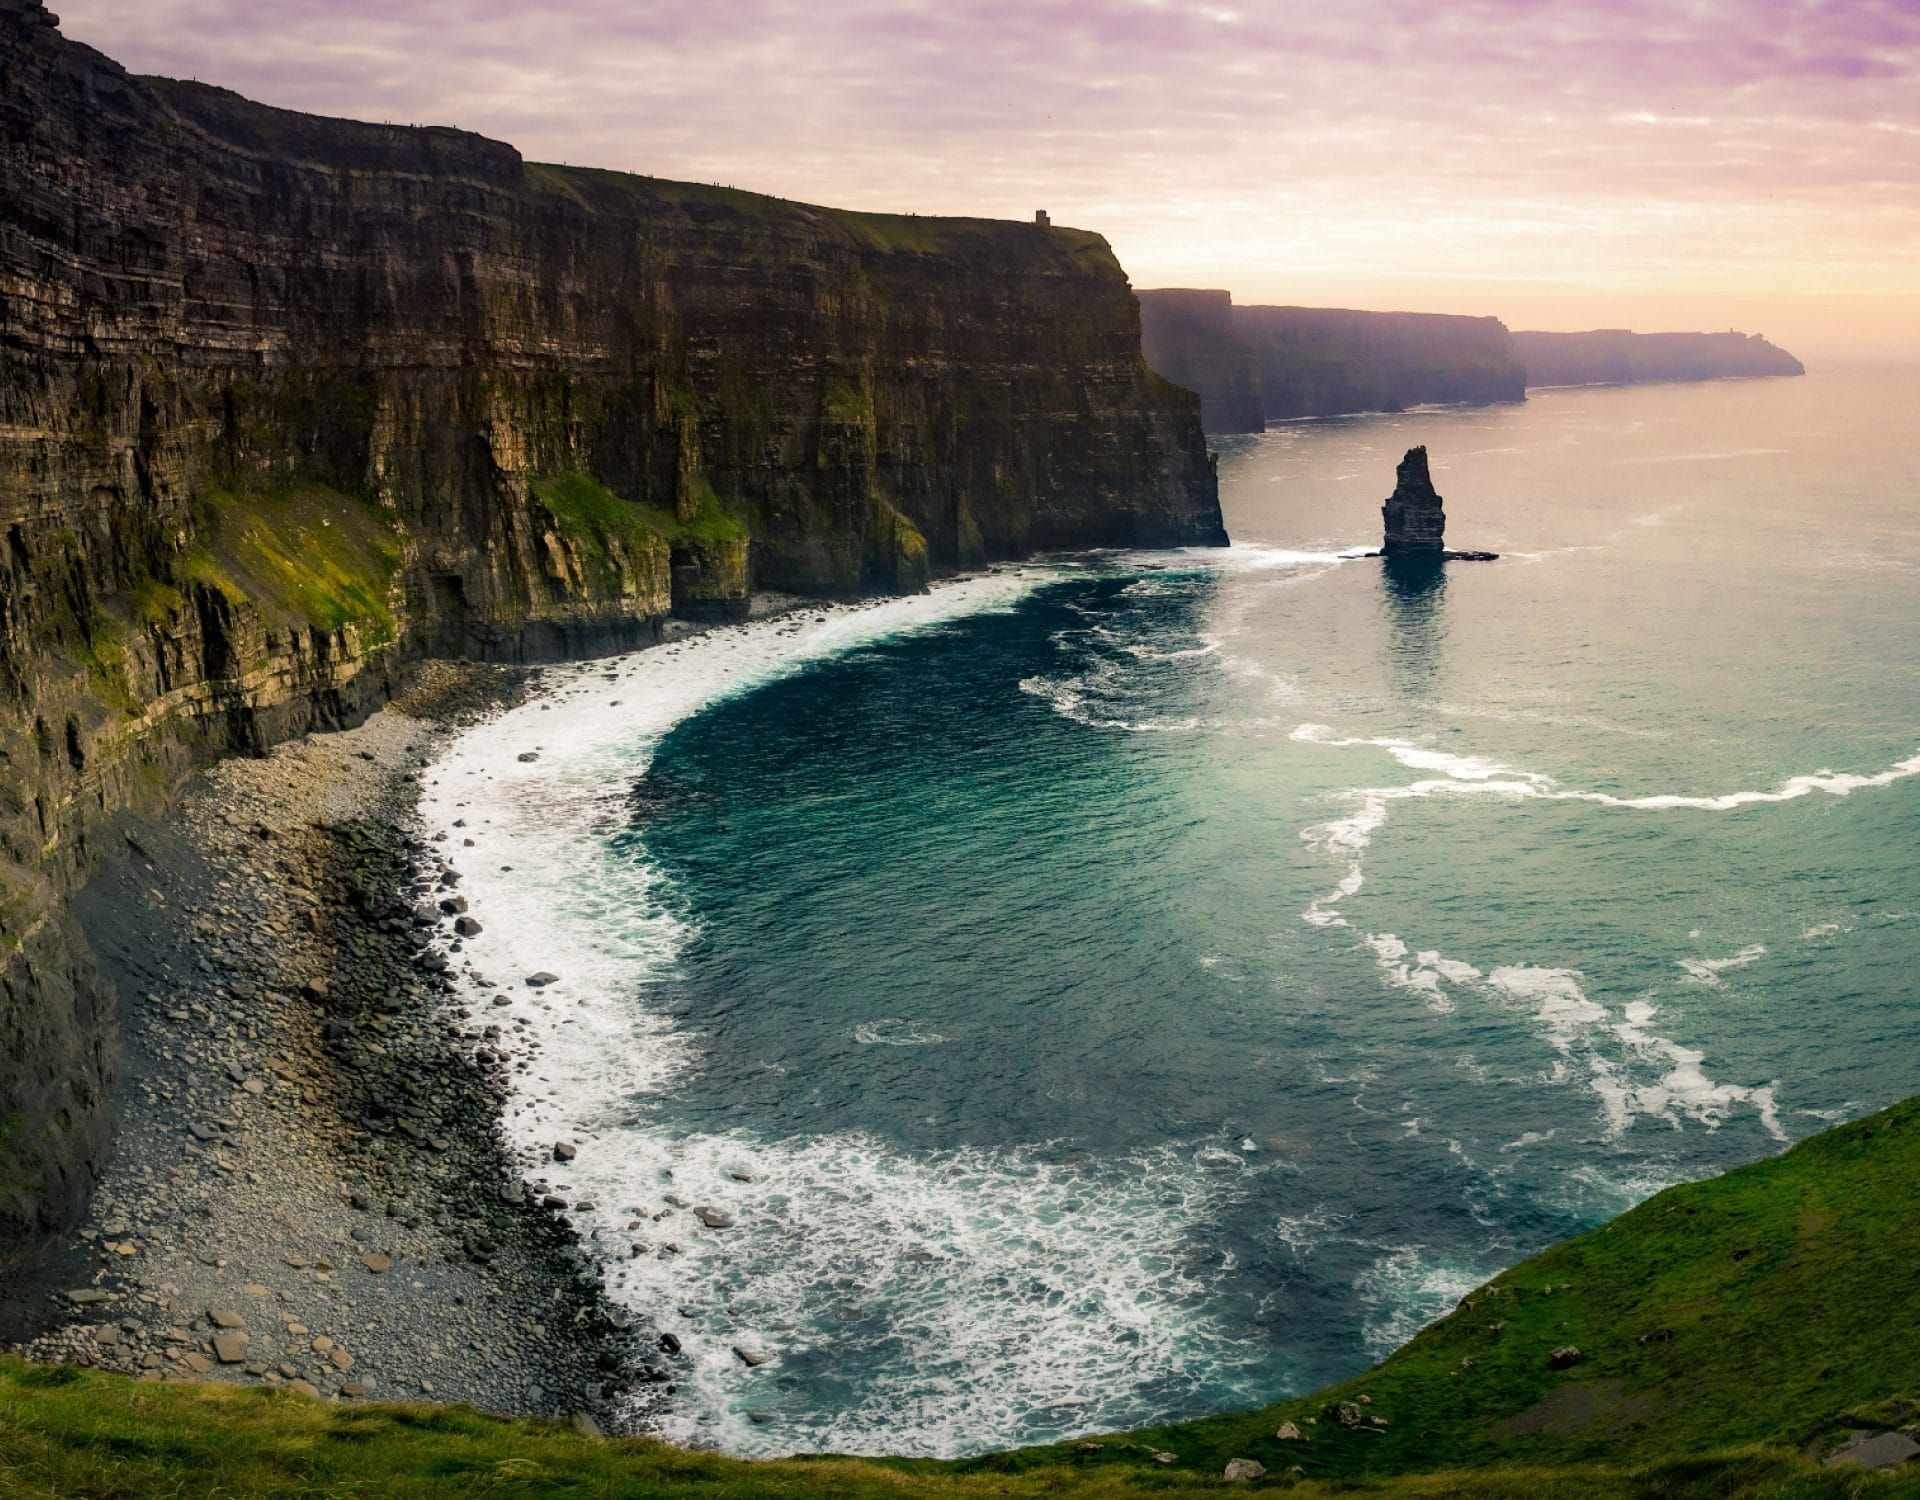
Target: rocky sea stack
(1416, 521)
(1416, 524)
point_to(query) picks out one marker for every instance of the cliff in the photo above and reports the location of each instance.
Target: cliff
(286, 402)
(1188, 336)
(1321, 361)
(1613, 356)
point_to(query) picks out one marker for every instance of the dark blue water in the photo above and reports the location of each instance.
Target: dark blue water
(1164, 983)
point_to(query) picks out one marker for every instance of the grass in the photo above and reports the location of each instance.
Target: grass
(1761, 1306)
(75, 1433)
(590, 512)
(1722, 1326)
(302, 554)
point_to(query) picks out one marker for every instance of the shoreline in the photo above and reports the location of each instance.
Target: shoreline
(309, 1186)
(317, 1183)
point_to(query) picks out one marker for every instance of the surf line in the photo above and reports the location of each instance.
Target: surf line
(1568, 1019)
(1466, 775)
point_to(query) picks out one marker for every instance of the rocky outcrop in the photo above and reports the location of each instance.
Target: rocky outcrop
(1614, 356)
(1188, 336)
(1321, 361)
(1416, 523)
(286, 402)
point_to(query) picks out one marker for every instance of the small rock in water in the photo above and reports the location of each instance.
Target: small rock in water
(751, 1357)
(528, 756)
(467, 927)
(541, 980)
(564, 1151)
(713, 1218)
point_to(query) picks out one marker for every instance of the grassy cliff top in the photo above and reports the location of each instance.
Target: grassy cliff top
(341, 145)
(1702, 1345)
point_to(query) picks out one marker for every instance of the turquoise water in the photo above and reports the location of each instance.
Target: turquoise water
(1144, 985)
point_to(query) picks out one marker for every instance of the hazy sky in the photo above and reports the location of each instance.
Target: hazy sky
(1562, 163)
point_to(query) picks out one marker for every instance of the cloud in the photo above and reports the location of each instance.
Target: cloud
(1613, 142)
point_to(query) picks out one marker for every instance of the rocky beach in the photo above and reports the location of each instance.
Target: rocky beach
(308, 1189)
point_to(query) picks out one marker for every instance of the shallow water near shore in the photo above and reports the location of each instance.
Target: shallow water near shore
(1134, 986)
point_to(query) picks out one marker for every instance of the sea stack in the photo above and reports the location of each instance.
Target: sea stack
(1416, 525)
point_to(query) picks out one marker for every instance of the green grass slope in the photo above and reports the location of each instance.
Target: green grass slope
(1723, 1329)
(1773, 1304)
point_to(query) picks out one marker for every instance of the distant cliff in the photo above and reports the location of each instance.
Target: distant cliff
(286, 401)
(1189, 337)
(1613, 356)
(1317, 361)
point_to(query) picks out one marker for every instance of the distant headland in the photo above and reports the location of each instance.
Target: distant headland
(1253, 365)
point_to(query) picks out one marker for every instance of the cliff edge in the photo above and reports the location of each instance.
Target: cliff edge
(1614, 356)
(1252, 365)
(287, 402)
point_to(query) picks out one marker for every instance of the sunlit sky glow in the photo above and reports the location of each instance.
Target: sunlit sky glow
(1561, 163)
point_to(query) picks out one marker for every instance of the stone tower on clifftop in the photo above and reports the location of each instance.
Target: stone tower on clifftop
(1416, 524)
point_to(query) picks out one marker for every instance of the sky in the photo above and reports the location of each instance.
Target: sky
(1558, 163)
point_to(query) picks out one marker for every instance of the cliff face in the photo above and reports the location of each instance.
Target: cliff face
(1188, 336)
(1252, 365)
(1613, 356)
(1316, 361)
(285, 401)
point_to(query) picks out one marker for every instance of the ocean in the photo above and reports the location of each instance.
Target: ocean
(1130, 986)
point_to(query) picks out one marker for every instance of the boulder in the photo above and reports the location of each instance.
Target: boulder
(1244, 1470)
(1873, 1450)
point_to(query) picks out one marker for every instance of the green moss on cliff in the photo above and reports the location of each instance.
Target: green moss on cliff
(589, 513)
(303, 554)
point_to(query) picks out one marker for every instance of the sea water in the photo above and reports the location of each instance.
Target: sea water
(1130, 986)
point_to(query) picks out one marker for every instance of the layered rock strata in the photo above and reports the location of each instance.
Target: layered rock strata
(1252, 365)
(286, 402)
(1415, 520)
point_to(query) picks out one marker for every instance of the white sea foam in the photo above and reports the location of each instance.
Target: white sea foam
(1110, 681)
(1642, 1075)
(973, 1289)
(1707, 971)
(892, 1031)
(1405, 1290)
